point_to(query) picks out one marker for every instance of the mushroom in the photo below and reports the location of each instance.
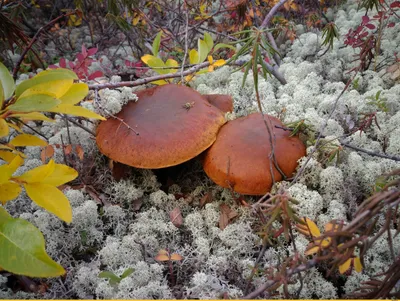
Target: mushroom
(221, 101)
(240, 157)
(168, 125)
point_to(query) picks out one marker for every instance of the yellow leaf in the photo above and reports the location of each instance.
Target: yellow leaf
(38, 173)
(4, 130)
(146, 58)
(60, 175)
(312, 251)
(172, 63)
(76, 111)
(345, 266)
(27, 140)
(5, 173)
(313, 228)
(176, 257)
(15, 164)
(219, 63)
(193, 56)
(210, 59)
(135, 20)
(75, 94)
(32, 116)
(50, 198)
(357, 264)
(160, 82)
(55, 88)
(74, 20)
(9, 191)
(7, 156)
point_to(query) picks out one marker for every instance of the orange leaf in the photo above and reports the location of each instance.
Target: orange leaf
(176, 257)
(80, 152)
(47, 152)
(161, 257)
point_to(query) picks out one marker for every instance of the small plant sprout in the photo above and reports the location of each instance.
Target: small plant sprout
(329, 33)
(164, 255)
(378, 101)
(343, 257)
(114, 279)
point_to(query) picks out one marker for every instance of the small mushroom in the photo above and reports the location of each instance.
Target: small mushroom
(240, 157)
(168, 125)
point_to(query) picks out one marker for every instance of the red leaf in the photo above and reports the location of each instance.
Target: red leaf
(176, 217)
(53, 66)
(80, 57)
(395, 4)
(71, 65)
(391, 24)
(128, 63)
(365, 19)
(95, 74)
(84, 52)
(370, 26)
(92, 51)
(63, 63)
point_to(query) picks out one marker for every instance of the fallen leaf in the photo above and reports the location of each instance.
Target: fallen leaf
(207, 198)
(227, 214)
(79, 152)
(176, 217)
(137, 204)
(47, 152)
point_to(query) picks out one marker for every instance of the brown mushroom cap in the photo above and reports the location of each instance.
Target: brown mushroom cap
(239, 158)
(221, 101)
(175, 124)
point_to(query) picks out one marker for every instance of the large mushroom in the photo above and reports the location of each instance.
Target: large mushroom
(240, 157)
(168, 125)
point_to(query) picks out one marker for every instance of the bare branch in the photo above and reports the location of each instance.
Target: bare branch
(146, 80)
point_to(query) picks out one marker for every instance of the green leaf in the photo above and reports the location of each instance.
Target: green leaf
(209, 41)
(23, 250)
(4, 216)
(203, 50)
(222, 45)
(112, 278)
(6, 81)
(33, 103)
(156, 44)
(127, 272)
(44, 77)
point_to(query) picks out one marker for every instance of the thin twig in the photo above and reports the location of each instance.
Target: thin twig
(80, 125)
(186, 44)
(371, 153)
(146, 80)
(36, 36)
(290, 272)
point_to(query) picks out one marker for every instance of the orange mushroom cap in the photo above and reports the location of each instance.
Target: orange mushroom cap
(239, 158)
(221, 101)
(174, 124)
